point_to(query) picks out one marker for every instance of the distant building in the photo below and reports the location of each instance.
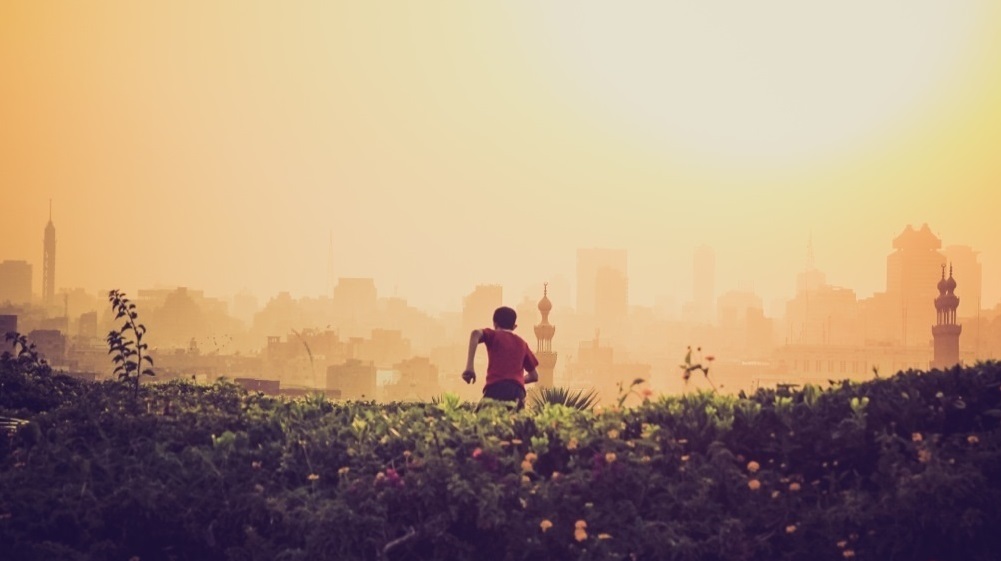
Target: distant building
(8, 324)
(479, 305)
(602, 281)
(49, 261)
(15, 282)
(352, 380)
(702, 308)
(50, 344)
(910, 271)
(544, 342)
(946, 331)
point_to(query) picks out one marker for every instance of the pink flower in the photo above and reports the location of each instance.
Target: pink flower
(477, 453)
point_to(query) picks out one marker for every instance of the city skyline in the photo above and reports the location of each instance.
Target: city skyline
(276, 147)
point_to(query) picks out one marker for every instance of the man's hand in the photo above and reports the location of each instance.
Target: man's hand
(532, 377)
(469, 376)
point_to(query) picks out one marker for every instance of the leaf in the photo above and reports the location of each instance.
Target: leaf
(148, 372)
(149, 359)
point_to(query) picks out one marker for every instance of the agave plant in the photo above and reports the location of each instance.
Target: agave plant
(575, 399)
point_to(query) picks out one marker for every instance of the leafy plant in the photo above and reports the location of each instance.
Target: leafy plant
(574, 399)
(25, 358)
(688, 367)
(126, 345)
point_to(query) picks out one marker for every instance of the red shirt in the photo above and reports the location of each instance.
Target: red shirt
(508, 356)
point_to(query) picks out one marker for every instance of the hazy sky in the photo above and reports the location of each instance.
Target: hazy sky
(220, 145)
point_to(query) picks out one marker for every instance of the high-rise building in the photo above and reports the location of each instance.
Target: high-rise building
(479, 305)
(544, 341)
(49, 261)
(15, 282)
(602, 281)
(910, 270)
(704, 284)
(946, 331)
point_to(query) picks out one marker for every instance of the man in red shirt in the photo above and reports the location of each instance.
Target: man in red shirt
(508, 358)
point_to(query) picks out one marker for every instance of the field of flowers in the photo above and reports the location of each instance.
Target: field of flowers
(907, 467)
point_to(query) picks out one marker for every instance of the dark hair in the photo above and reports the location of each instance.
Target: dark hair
(505, 317)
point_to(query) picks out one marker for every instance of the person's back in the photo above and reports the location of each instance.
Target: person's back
(508, 358)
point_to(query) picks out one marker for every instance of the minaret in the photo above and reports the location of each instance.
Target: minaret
(49, 261)
(946, 331)
(544, 336)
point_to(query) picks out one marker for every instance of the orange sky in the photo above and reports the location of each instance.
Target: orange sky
(219, 145)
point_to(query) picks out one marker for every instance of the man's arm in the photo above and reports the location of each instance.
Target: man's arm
(469, 375)
(532, 376)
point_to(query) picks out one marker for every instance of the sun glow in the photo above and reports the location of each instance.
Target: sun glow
(762, 83)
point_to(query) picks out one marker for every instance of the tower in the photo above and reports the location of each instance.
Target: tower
(49, 261)
(544, 336)
(946, 331)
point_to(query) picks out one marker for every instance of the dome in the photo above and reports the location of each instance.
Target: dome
(950, 283)
(545, 305)
(942, 283)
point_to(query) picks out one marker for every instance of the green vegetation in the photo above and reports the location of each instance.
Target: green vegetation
(905, 467)
(539, 398)
(126, 345)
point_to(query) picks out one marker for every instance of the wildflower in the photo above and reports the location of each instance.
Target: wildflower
(645, 460)
(504, 443)
(525, 480)
(258, 488)
(572, 445)
(790, 528)
(775, 494)
(610, 457)
(848, 553)
(556, 476)
(516, 441)
(526, 465)
(407, 453)
(685, 458)
(604, 536)
(924, 455)
(312, 477)
(477, 453)
(580, 534)
(973, 439)
(531, 457)
(794, 486)
(682, 441)
(753, 466)
(647, 393)
(842, 544)
(255, 464)
(380, 477)
(545, 525)
(343, 471)
(613, 434)
(754, 484)
(580, 524)
(916, 437)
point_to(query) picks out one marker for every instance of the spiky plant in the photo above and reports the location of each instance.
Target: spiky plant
(575, 399)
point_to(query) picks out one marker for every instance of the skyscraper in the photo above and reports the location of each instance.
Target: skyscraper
(611, 266)
(49, 261)
(910, 270)
(15, 282)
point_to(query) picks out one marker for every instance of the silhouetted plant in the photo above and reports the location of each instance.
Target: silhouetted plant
(126, 345)
(688, 367)
(25, 358)
(578, 399)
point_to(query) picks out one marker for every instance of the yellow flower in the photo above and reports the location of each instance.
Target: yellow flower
(343, 471)
(790, 528)
(516, 441)
(580, 534)
(526, 479)
(604, 536)
(526, 465)
(794, 486)
(754, 484)
(312, 477)
(753, 466)
(572, 445)
(580, 524)
(531, 457)
(613, 434)
(610, 457)
(545, 525)
(685, 458)
(556, 476)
